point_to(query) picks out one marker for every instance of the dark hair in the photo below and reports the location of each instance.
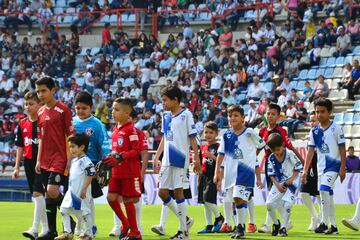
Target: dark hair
(351, 147)
(275, 140)
(172, 92)
(235, 108)
(31, 95)
(211, 125)
(323, 102)
(84, 97)
(133, 114)
(49, 82)
(80, 139)
(126, 102)
(275, 106)
(312, 113)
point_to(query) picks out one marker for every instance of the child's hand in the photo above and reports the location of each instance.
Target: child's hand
(218, 186)
(259, 184)
(83, 194)
(210, 155)
(280, 187)
(342, 174)
(304, 177)
(156, 166)
(288, 182)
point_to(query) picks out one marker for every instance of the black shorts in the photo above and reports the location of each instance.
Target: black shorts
(187, 193)
(311, 185)
(96, 190)
(207, 191)
(33, 179)
(143, 188)
(53, 178)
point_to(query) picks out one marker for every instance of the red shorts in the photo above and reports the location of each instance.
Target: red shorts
(126, 187)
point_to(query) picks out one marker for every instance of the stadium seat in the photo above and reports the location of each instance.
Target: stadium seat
(98, 91)
(331, 61)
(340, 62)
(338, 118)
(268, 86)
(300, 85)
(126, 63)
(325, 52)
(80, 81)
(97, 60)
(240, 97)
(355, 132)
(355, 143)
(311, 74)
(334, 95)
(83, 51)
(128, 82)
(95, 51)
(118, 61)
(337, 72)
(303, 74)
(356, 50)
(205, 16)
(356, 118)
(328, 72)
(343, 94)
(320, 71)
(60, 3)
(113, 18)
(332, 51)
(58, 10)
(131, 18)
(202, 6)
(124, 17)
(323, 62)
(70, 10)
(105, 19)
(249, 15)
(329, 83)
(348, 59)
(347, 131)
(348, 118)
(68, 19)
(356, 107)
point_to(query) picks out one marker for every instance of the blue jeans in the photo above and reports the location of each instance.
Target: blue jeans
(292, 125)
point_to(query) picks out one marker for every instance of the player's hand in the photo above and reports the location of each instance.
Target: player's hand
(83, 194)
(342, 174)
(111, 161)
(15, 173)
(218, 186)
(210, 155)
(197, 167)
(156, 166)
(142, 176)
(259, 184)
(280, 187)
(288, 182)
(304, 177)
(37, 168)
(216, 178)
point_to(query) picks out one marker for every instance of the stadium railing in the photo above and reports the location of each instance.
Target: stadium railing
(117, 12)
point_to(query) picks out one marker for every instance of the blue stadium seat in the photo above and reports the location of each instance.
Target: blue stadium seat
(95, 51)
(356, 107)
(337, 72)
(83, 51)
(68, 19)
(331, 61)
(105, 19)
(124, 17)
(113, 18)
(303, 74)
(80, 81)
(312, 74)
(340, 61)
(356, 118)
(320, 71)
(126, 63)
(339, 118)
(328, 72)
(205, 16)
(128, 82)
(131, 18)
(323, 62)
(348, 118)
(268, 86)
(246, 108)
(240, 97)
(70, 10)
(300, 85)
(118, 60)
(356, 50)
(58, 10)
(60, 3)
(348, 59)
(249, 15)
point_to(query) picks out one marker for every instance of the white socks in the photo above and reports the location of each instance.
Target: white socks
(208, 215)
(241, 211)
(181, 214)
(164, 215)
(227, 212)
(268, 219)
(332, 211)
(213, 208)
(117, 222)
(271, 207)
(138, 210)
(309, 204)
(251, 208)
(325, 209)
(40, 215)
(285, 214)
(356, 216)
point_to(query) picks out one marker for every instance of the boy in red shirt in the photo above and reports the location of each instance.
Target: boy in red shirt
(272, 116)
(55, 126)
(125, 181)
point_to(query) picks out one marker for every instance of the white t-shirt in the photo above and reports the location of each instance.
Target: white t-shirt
(239, 153)
(327, 142)
(178, 130)
(145, 75)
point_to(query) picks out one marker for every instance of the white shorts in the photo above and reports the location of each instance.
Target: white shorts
(171, 177)
(275, 196)
(242, 192)
(327, 179)
(228, 197)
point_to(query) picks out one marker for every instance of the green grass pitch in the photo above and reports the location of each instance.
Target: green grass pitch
(17, 217)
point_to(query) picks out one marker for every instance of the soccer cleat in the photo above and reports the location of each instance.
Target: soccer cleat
(225, 228)
(158, 229)
(124, 232)
(78, 230)
(251, 228)
(65, 236)
(264, 229)
(275, 229)
(189, 222)
(282, 232)
(180, 235)
(239, 232)
(141, 230)
(207, 229)
(132, 237)
(314, 223)
(321, 228)
(114, 232)
(84, 237)
(217, 224)
(47, 236)
(94, 230)
(332, 230)
(30, 234)
(350, 223)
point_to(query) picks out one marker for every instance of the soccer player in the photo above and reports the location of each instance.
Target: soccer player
(310, 188)
(207, 192)
(125, 162)
(283, 170)
(99, 147)
(329, 141)
(272, 117)
(53, 160)
(179, 134)
(237, 149)
(27, 142)
(78, 200)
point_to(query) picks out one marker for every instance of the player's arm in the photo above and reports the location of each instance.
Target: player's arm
(297, 154)
(145, 160)
(37, 166)
(219, 161)
(104, 142)
(19, 141)
(342, 172)
(196, 159)
(291, 179)
(279, 186)
(309, 157)
(90, 173)
(158, 153)
(258, 178)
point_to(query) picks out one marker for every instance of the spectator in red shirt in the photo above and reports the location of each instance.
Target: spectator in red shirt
(55, 125)
(106, 38)
(126, 177)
